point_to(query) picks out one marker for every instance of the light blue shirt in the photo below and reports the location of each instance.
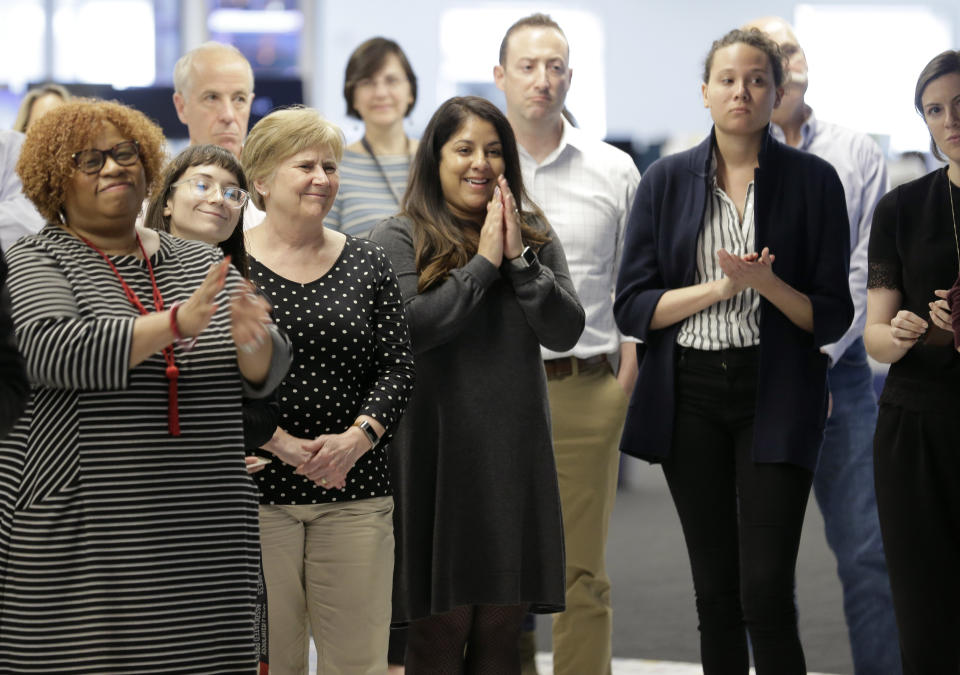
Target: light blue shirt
(862, 168)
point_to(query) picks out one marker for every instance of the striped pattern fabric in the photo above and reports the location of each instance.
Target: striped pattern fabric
(122, 549)
(734, 322)
(364, 198)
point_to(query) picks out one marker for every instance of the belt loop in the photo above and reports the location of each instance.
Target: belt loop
(574, 366)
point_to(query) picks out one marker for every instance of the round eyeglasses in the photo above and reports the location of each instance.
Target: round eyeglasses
(91, 161)
(204, 188)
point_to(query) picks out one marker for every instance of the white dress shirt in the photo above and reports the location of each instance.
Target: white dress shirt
(863, 171)
(18, 215)
(586, 188)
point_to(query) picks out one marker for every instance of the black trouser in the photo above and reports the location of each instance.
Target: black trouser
(741, 520)
(917, 473)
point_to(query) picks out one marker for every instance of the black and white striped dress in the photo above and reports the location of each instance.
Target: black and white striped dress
(123, 549)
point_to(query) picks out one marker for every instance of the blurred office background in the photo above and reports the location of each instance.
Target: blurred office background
(636, 63)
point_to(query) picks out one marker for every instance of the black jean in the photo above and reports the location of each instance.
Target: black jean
(917, 474)
(741, 519)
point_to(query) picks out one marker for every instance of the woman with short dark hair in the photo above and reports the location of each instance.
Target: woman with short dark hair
(485, 284)
(380, 88)
(913, 283)
(734, 275)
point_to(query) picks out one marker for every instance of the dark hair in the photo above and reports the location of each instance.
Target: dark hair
(443, 242)
(201, 155)
(369, 58)
(754, 38)
(537, 20)
(942, 64)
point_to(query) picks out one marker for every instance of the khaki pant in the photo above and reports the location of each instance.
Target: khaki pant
(587, 410)
(329, 566)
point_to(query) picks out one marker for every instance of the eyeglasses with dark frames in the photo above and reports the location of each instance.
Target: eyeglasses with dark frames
(204, 188)
(91, 161)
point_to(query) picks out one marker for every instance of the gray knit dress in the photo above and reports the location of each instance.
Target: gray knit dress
(477, 517)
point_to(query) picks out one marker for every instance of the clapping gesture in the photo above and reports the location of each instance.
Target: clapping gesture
(749, 271)
(756, 272)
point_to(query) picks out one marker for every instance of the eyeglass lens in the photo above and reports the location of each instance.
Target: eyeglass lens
(233, 196)
(92, 160)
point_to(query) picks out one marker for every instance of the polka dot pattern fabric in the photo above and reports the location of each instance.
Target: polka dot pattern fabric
(351, 356)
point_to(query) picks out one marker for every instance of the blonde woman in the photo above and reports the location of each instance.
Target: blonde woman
(326, 508)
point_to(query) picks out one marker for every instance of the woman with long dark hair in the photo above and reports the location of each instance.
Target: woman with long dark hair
(202, 195)
(485, 283)
(734, 275)
(914, 260)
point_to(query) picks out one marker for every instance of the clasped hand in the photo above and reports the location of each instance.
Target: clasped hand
(752, 270)
(332, 456)
(500, 235)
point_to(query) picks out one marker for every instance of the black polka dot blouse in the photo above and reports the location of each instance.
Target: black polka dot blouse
(351, 356)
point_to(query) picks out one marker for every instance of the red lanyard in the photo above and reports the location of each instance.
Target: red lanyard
(173, 412)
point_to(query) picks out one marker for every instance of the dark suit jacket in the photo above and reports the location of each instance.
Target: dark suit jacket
(801, 215)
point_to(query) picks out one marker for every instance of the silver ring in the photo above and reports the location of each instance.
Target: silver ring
(249, 348)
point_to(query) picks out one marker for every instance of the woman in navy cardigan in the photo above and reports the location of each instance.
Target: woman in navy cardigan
(734, 274)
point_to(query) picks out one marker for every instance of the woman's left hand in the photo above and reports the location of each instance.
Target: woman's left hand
(512, 241)
(751, 270)
(940, 311)
(335, 456)
(249, 317)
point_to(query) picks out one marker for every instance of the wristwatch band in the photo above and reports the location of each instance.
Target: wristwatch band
(369, 431)
(524, 260)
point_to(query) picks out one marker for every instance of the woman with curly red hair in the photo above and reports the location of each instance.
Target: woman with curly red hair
(128, 525)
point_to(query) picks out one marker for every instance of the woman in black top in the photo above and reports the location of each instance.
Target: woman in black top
(326, 508)
(914, 258)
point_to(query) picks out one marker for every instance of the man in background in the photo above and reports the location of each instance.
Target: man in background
(843, 482)
(586, 188)
(213, 92)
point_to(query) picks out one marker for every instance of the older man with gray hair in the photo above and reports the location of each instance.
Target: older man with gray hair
(213, 91)
(843, 482)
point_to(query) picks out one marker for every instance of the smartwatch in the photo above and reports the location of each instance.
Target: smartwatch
(368, 431)
(524, 260)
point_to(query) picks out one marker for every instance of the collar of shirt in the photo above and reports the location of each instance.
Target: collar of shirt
(808, 131)
(569, 137)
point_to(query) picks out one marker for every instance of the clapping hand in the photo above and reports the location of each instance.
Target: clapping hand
(194, 315)
(751, 270)
(249, 318)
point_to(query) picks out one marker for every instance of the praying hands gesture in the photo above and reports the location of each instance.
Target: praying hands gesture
(500, 235)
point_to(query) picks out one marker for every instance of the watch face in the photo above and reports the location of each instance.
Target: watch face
(528, 255)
